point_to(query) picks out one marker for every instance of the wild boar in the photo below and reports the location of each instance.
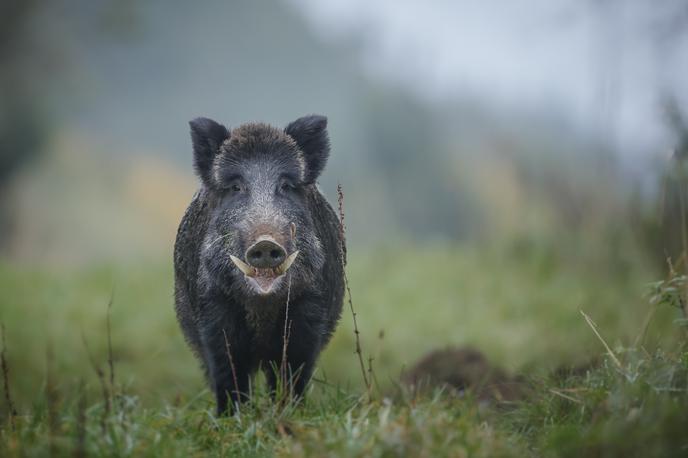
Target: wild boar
(257, 241)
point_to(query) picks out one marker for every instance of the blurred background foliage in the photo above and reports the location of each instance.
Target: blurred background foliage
(500, 171)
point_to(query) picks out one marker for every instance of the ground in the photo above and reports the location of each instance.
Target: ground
(612, 386)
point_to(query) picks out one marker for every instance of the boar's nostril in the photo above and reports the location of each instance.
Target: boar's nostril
(265, 254)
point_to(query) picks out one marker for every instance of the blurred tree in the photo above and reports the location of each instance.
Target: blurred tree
(21, 125)
(665, 227)
(661, 223)
(409, 152)
(671, 233)
(36, 38)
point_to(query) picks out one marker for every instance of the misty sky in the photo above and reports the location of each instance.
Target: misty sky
(604, 64)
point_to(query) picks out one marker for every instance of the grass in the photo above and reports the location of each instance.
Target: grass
(638, 410)
(604, 412)
(523, 311)
(332, 423)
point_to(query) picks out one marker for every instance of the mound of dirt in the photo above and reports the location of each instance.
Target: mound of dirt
(461, 369)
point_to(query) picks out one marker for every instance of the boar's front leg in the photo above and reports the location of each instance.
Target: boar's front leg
(223, 371)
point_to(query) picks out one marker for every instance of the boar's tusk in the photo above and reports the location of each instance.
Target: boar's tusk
(287, 263)
(242, 266)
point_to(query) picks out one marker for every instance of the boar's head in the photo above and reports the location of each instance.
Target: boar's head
(258, 181)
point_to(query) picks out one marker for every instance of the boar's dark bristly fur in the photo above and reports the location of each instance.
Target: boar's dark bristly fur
(257, 184)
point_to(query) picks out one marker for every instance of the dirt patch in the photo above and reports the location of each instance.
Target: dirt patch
(460, 369)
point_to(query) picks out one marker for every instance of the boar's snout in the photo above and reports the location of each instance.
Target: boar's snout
(265, 254)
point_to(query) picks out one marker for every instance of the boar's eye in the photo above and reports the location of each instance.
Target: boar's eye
(235, 187)
(286, 186)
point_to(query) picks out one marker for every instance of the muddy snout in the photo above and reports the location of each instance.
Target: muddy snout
(265, 258)
(265, 254)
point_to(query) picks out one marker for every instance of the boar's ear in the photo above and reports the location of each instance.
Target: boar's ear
(310, 133)
(206, 138)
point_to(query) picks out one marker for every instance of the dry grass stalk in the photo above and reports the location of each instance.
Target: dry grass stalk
(286, 377)
(12, 412)
(233, 369)
(103, 384)
(80, 440)
(287, 329)
(371, 377)
(593, 326)
(111, 363)
(342, 231)
(51, 397)
(565, 396)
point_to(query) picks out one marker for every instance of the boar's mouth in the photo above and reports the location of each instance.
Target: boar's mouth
(264, 279)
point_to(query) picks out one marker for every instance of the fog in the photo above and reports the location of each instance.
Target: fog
(605, 64)
(448, 120)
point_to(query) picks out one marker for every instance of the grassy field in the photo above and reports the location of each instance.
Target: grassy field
(519, 304)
